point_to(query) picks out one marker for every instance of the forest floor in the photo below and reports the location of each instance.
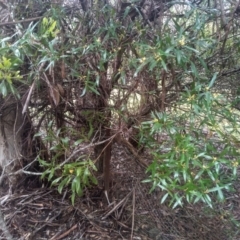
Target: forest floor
(36, 212)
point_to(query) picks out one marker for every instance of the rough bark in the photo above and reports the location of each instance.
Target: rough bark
(11, 130)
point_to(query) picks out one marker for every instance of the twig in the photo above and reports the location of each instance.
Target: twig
(138, 158)
(28, 97)
(19, 171)
(106, 194)
(64, 234)
(20, 21)
(133, 213)
(117, 206)
(30, 91)
(80, 149)
(44, 225)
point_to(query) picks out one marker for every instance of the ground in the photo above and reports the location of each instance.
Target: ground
(35, 211)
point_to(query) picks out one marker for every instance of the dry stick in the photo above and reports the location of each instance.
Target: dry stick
(107, 161)
(163, 90)
(79, 150)
(28, 97)
(20, 21)
(138, 158)
(31, 91)
(64, 234)
(117, 206)
(4, 228)
(133, 213)
(44, 225)
(119, 214)
(3, 175)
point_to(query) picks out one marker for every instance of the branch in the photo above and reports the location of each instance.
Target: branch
(20, 21)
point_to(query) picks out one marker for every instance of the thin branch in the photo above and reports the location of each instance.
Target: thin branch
(20, 21)
(83, 148)
(133, 213)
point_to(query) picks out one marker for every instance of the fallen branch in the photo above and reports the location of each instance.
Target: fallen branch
(64, 234)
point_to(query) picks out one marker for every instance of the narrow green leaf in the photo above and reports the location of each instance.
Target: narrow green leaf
(56, 181)
(3, 89)
(213, 80)
(194, 69)
(79, 141)
(73, 197)
(62, 184)
(94, 89)
(51, 174)
(164, 198)
(178, 202)
(192, 49)
(139, 68)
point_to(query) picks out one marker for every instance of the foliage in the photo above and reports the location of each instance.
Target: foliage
(9, 68)
(7, 76)
(199, 157)
(78, 174)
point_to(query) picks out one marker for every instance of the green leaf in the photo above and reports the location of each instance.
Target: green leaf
(39, 134)
(220, 195)
(213, 80)
(153, 64)
(185, 175)
(179, 56)
(93, 180)
(140, 68)
(234, 171)
(44, 174)
(203, 63)
(191, 49)
(94, 89)
(56, 181)
(194, 69)
(44, 163)
(79, 141)
(65, 141)
(73, 197)
(62, 184)
(217, 188)
(52, 171)
(164, 65)
(178, 201)
(79, 171)
(87, 172)
(77, 185)
(164, 198)
(92, 166)
(127, 10)
(208, 200)
(3, 89)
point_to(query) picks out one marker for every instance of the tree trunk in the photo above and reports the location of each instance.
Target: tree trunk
(11, 130)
